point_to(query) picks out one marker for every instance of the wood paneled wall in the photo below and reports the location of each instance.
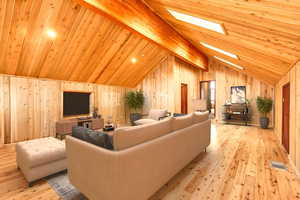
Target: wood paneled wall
(30, 107)
(226, 77)
(291, 77)
(158, 87)
(2, 95)
(162, 86)
(185, 73)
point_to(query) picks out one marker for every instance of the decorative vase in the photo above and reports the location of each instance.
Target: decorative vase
(264, 122)
(134, 117)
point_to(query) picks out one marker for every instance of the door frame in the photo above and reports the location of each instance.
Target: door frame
(200, 88)
(282, 123)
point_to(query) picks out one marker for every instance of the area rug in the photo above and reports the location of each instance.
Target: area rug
(62, 186)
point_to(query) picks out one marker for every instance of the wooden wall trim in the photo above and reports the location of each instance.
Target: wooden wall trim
(139, 18)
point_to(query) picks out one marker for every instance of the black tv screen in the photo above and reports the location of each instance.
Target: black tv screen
(76, 103)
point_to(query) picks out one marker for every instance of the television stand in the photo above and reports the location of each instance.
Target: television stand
(64, 127)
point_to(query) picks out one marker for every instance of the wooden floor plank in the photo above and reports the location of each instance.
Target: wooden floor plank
(236, 166)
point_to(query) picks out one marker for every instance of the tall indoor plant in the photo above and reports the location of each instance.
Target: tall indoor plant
(264, 106)
(135, 101)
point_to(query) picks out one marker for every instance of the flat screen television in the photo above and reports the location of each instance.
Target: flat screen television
(76, 103)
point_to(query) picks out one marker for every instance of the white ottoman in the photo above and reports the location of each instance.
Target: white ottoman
(42, 157)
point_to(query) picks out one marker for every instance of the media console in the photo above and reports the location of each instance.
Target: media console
(64, 127)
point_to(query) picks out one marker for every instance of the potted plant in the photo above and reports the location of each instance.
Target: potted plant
(264, 106)
(135, 101)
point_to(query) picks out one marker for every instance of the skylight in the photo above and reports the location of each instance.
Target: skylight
(220, 50)
(198, 21)
(230, 63)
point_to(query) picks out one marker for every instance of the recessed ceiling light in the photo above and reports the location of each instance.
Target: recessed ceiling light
(198, 21)
(133, 60)
(230, 63)
(220, 50)
(51, 33)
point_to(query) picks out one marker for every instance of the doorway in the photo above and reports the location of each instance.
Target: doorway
(208, 93)
(184, 98)
(286, 117)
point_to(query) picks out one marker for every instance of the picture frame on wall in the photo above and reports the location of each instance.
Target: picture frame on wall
(238, 94)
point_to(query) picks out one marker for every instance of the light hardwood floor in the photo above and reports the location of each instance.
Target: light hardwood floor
(236, 166)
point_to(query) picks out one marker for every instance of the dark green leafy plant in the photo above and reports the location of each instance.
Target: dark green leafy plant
(135, 100)
(264, 105)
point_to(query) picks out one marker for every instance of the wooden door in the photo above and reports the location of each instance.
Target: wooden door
(286, 116)
(184, 98)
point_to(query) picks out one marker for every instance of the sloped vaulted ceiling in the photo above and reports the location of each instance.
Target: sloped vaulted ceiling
(88, 47)
(264, 34)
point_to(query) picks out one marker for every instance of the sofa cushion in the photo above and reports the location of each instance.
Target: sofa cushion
(144, 121)
(40, 151)
(200, 116)
(156, 114)
(126, 137)
(94, 137)
(182, 122)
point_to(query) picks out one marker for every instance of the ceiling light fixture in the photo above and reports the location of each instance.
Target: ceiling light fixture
(198, 21)
(230, 63)
(219, 50)
(133, 60)
(51, 33)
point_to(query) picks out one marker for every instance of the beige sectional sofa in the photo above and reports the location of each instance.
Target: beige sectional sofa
(144, 159)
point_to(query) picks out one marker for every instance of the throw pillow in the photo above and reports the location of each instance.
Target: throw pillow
(80, 132)
(100, 139)
(94, 137)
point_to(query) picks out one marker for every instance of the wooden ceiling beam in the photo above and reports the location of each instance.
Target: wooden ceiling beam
(138, 17)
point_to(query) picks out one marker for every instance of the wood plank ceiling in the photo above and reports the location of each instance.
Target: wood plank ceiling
(264, 34)
(88, 47)
(92, 48)
(138, 17)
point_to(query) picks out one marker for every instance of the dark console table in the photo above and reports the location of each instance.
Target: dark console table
(64, 127)
(237, 114)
